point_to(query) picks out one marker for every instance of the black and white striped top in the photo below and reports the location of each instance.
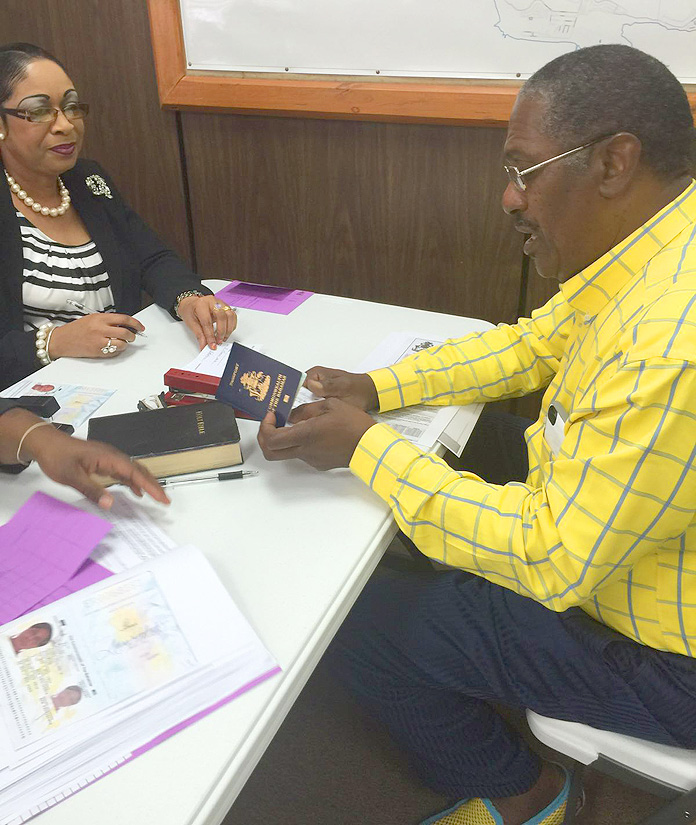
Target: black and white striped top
(54, 272)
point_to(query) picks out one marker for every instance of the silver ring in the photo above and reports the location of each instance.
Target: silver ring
(109, 348)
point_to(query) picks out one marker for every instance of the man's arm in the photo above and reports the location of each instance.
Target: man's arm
(505, 362)
(622, 486)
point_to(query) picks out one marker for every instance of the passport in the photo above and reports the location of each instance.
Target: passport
(256, 384)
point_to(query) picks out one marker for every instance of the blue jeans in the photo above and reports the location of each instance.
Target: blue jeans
(431, 654)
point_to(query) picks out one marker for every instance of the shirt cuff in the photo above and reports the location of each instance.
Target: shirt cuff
(397, 386)
(382, 458)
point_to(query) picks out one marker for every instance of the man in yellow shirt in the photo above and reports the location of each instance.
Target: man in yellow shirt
(583, 600)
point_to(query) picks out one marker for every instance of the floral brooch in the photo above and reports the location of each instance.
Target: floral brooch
(98, 186)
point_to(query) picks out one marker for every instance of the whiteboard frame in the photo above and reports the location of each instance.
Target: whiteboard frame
(462, 102)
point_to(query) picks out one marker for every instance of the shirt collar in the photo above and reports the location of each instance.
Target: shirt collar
(598, 283)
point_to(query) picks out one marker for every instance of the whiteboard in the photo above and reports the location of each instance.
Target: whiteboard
(493, 39)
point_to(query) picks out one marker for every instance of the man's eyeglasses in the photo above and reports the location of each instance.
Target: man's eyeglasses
(49, 114)
(517, 177)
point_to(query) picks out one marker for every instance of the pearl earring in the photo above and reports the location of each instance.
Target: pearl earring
(2, 136)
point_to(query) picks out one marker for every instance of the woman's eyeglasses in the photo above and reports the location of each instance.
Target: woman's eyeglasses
(49, 114)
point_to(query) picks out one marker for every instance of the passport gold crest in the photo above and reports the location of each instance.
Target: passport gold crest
(256, 383)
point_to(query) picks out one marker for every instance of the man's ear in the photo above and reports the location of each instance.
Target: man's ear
(620, 157)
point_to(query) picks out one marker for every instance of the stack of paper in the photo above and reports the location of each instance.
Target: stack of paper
(96, 678)
(421, 424)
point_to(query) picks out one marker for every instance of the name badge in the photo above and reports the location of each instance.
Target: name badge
(554, 427)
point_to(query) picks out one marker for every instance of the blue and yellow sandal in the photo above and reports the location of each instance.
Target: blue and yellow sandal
(483, 812)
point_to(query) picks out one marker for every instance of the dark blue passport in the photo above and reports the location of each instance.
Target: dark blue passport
(257, 384)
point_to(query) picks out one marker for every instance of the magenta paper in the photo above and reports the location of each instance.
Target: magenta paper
(262, 297)
(41, 547)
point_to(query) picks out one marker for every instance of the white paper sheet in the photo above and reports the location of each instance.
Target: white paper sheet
(420, 424)
(134, 537)
(211, 361)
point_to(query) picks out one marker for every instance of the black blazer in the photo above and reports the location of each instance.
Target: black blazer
(133, 256)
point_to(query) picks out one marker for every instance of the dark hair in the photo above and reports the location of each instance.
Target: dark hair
(49, 630)
(614, 88)
(14, 59)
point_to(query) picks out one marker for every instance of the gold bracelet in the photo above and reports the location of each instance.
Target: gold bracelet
(26, 433)
(179, 298)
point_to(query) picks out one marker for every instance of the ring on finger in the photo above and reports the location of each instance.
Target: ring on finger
(110, 348)
(223, 307)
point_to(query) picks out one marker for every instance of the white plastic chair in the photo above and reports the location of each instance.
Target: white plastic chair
(660, 769)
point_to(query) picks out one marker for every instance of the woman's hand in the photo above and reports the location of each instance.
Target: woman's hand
(201, 312)
(75, 462)
(89, 336)
(72, 461)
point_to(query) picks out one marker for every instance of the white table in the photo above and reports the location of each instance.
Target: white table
(293, 546)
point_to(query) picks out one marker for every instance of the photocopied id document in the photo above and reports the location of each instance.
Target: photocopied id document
(101, 676)
(77, 403)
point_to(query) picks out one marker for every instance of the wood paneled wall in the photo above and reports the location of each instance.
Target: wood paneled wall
(388, 212)
(397, 213)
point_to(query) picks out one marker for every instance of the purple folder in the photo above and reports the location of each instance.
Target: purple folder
(262, 297)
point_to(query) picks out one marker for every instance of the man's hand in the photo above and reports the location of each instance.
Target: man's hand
(74, 462)
(200, 312)
(324, 434)
(356, 389)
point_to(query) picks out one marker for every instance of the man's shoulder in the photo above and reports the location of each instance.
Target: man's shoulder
(667, 326)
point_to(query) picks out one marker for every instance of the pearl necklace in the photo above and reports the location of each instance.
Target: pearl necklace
(54, 212)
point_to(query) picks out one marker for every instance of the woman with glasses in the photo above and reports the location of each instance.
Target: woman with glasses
(73, 256)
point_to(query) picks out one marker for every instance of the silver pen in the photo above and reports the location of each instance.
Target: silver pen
(89, 311)
(165, 482)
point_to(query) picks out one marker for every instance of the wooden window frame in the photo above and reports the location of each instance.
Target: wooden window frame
(387, 99)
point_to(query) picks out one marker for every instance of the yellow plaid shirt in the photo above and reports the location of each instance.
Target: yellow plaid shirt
(608, 522)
